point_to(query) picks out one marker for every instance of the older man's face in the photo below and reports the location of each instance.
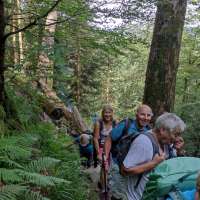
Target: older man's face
(143, 116)
(168, 138)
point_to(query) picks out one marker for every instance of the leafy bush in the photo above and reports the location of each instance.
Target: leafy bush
(191, 115)
(36, 166)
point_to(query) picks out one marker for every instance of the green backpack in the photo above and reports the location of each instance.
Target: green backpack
(172, 177)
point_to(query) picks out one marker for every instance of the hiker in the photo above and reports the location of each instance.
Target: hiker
(142, 157)
(86, 148)
(179, 146)
(140, 124)
(102, 129)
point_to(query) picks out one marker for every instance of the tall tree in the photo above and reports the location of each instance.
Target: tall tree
(45, 64)
(3, 36)
(162, 67)
(2, 50)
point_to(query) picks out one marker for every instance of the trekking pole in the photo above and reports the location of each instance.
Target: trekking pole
(104, 176)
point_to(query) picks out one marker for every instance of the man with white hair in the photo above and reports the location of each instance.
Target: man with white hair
(140, 159)
(140, 124)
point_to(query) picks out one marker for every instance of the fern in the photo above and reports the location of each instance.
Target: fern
(18, 147)
(43, 164)
(11, 192)
(15, 152)
(10, 176)
(41, 180)
(31, 195)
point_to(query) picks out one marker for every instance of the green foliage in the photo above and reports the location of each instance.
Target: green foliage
(29, 175)
(24, 105)
(105, 65)
(190, 114)
(187, 87)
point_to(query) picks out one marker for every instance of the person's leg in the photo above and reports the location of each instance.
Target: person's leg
(117, 184)
(95, 159)
(89, 159)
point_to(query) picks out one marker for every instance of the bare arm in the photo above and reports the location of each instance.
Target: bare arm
(96, 136)
(139, 169)
(107, 146)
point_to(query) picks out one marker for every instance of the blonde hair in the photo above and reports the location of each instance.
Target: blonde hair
(105, 108)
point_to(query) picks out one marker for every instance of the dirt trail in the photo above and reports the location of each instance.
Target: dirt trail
(93, 175)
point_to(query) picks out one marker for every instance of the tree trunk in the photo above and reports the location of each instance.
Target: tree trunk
(78, 76)
(45, 64)
(2, 51)
(14, 43)
(159, 92)
(21, 50)
(107, 92)
(56, 109)
(77, 71)
(185, 96)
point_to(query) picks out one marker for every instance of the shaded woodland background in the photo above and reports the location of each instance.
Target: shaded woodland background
(87, 54)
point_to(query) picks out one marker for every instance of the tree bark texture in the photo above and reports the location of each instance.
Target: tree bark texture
(2, 51)
(56, 109)
(21, 50)
(45, 65)
(159, 92)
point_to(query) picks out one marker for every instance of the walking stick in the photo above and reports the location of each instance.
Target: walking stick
(104, 176)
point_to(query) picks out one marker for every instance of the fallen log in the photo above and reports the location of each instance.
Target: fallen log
(56, 109)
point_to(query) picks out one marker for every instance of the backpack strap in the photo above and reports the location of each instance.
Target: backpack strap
(154, 143)
(100, 125)
(114, 123)
(126, 127)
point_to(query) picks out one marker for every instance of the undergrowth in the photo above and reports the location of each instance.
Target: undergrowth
(37, 161)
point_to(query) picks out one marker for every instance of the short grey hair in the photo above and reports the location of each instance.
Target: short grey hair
(170, 122)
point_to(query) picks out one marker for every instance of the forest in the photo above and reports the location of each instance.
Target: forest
(62, 60)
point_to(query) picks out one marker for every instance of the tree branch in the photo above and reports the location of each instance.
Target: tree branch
(32, 23)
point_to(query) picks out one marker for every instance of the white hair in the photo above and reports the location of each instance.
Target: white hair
(170, 122)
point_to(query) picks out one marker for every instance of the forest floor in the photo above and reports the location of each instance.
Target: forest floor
(93, 177)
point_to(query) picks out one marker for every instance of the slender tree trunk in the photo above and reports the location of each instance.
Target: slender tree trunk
(2, 51)
(45, 65)
(108, 82)
(21, 50)
(185, 96)
(14, 43)
(162, 67)
(75, 61)
(78, 75)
